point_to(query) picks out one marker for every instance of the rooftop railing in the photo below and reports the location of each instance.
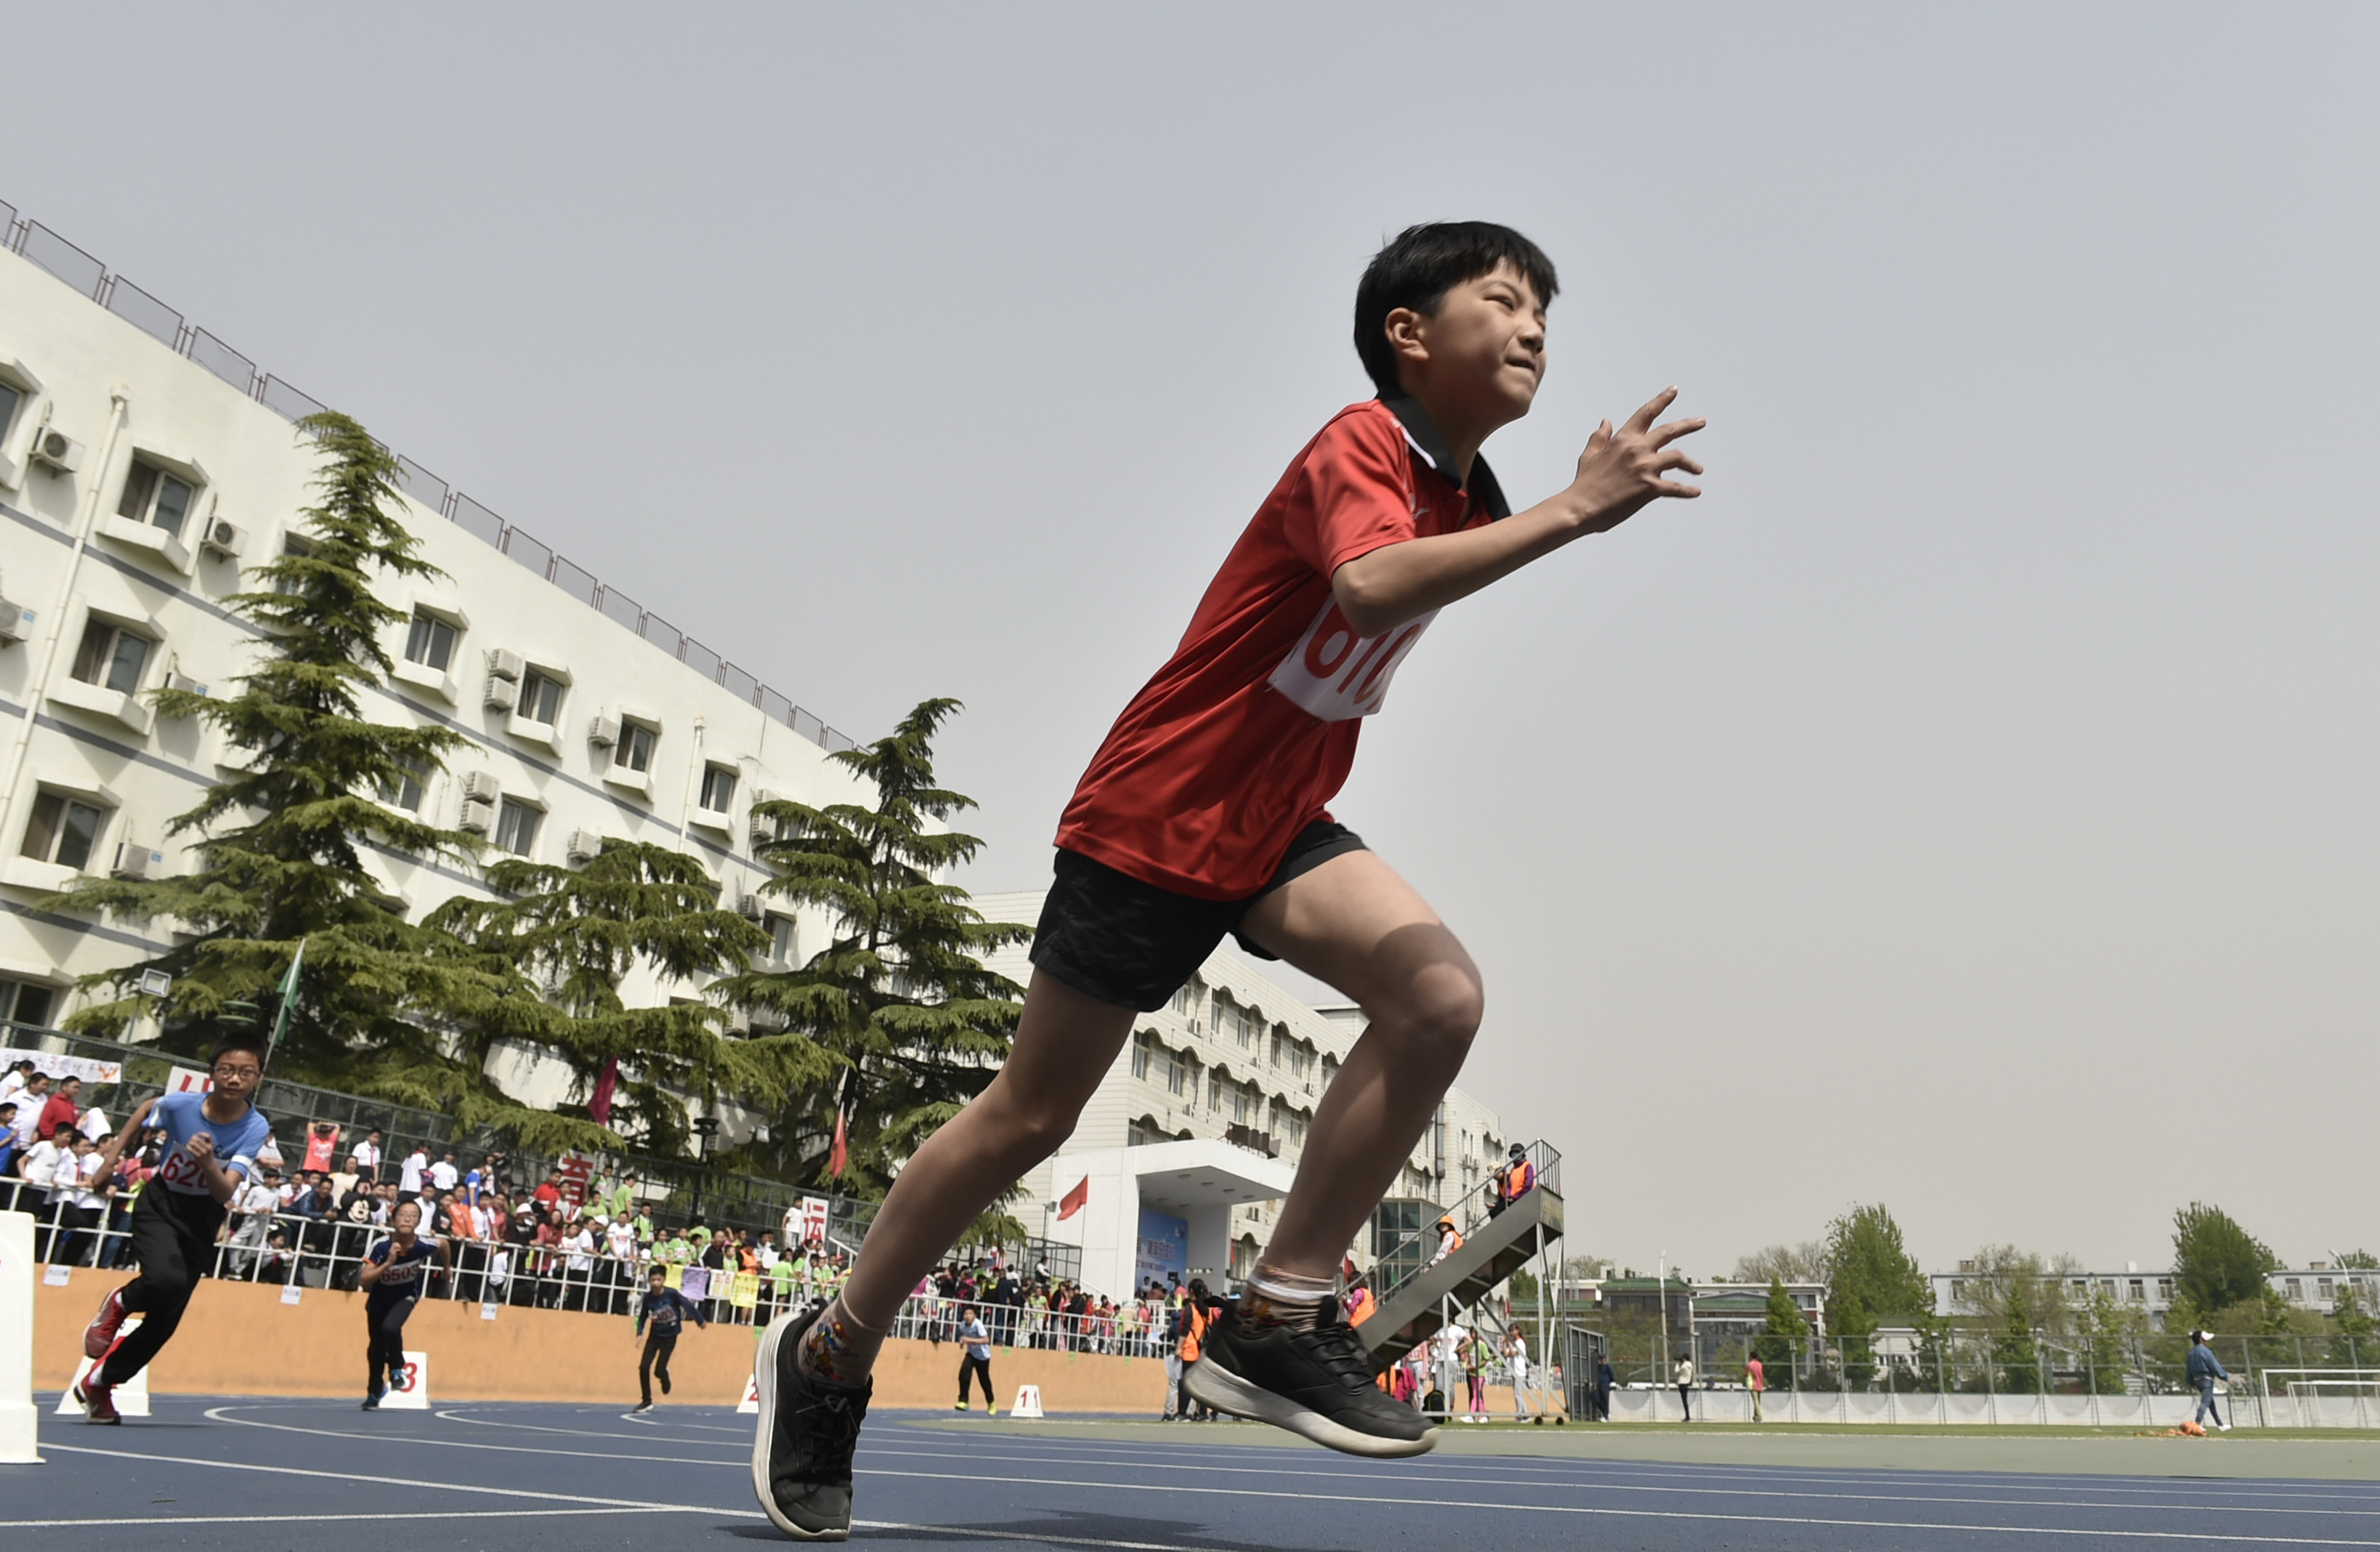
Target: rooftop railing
(45, 250)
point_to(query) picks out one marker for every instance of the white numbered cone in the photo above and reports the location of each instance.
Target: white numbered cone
(131, 1396)
(19, 1418)
(751, 1402)
(408, 1390)
(1028, 1401)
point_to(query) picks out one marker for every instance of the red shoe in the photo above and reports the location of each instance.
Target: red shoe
(100, 1335)
(98, 1402)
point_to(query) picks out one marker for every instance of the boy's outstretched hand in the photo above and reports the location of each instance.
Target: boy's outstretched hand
(1621, 471)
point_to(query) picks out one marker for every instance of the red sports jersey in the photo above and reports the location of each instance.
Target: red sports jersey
(1247, 732)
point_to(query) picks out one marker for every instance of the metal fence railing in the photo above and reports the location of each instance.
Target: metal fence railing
(1398, 1264)
(1959, 1375)
(54, 254)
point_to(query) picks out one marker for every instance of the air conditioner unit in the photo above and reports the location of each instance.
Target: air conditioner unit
(227, 540)
(480, 786)
(503, 694)
(185, 682)
(15, 622)
(134, 860)
(585, 845)
(58, 451)
(479, 815)
(502, 664)
(604, 730)
(764, 831)
(752, 906)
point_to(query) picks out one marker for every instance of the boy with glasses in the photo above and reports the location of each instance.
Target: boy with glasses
(211, 1143)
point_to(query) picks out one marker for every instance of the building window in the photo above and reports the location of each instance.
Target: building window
(402, 787)
(1185, 998)
(23, 1003)
(1140, 1056)
(2140, 1291)
(2164, 1291)
(150, 495)
(1215, 1089)
(63, 829)
(1240, 1104)
(431, 642)
(717, 788)
(516, 826)
(2295, 1289)
(2325, 1290)
(635, 750)
(1176, 1074)
(540, 697)
(10, 397)
(781, 938)
(111, 656)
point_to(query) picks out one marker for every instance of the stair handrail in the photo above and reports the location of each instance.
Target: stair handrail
(1468, 1212)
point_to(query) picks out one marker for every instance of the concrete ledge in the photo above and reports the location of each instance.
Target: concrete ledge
(238, 1339)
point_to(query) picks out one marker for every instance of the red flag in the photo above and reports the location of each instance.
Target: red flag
(1074, 1200)
(599, 1105)
(840, 1154)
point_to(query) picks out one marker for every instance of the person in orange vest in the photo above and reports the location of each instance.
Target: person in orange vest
(1514, 1181)
(1449, 1240)
(1198, 1312)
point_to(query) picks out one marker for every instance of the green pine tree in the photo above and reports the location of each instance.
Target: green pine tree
(2014, 1349)
(1866, 1258)
(2217, 1263)
(899, 1000)
(583, 932)
(1782, 1339)
(280, 845)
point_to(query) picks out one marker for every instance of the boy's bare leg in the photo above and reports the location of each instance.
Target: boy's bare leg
(1064, 1044)
(1354, 924)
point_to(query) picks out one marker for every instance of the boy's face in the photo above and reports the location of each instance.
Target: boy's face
(1483, 355)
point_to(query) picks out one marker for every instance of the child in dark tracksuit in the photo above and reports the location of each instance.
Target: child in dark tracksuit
(668, 1310)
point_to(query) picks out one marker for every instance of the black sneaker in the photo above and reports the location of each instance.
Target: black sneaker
(801, 1452)
(1317, 1383)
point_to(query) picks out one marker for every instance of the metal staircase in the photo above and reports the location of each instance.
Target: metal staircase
(1412, 1309)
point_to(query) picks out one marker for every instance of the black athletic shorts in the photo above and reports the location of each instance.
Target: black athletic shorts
(1111, 937)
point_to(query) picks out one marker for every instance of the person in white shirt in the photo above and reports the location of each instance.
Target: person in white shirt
(365, 1159)
(85, 1194)
(578, 1266)
(408, 1176)
(253, 1221)
(444, 1174)
(13, 1084)
(38, 1168)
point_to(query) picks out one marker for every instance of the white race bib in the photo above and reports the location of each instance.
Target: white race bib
(1336, 674)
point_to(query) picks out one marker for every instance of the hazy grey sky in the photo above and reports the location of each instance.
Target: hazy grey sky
(1968, 804)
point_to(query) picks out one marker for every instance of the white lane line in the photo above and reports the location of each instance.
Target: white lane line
(328, 1518)
(642, 1506)
(1377, 1501)
(976, 1456)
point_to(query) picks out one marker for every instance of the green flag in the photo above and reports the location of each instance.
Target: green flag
(289, 995)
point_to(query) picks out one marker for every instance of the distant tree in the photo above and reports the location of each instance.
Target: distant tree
(2351, 1317)
(280, 844)
(1806, 1262)
(2359, 1261)
(2014, 1347)
(1786, 1332)
(1866, 1260)
(2217, 1263)
(899, 1003)
(581, 932)
(2111, 1340)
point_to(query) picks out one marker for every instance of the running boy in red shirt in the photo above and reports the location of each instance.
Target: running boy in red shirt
(1204, 815)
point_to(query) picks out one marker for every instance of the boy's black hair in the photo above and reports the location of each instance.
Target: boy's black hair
(246, 1040)
(1421, 266)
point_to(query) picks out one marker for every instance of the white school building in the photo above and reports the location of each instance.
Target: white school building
(143, 464)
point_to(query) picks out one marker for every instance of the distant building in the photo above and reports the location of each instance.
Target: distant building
(2317, 1287)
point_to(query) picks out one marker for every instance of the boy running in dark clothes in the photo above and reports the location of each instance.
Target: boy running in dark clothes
(1205, 814)
(394, 1271)
(211, 1144)
(668, 1310)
